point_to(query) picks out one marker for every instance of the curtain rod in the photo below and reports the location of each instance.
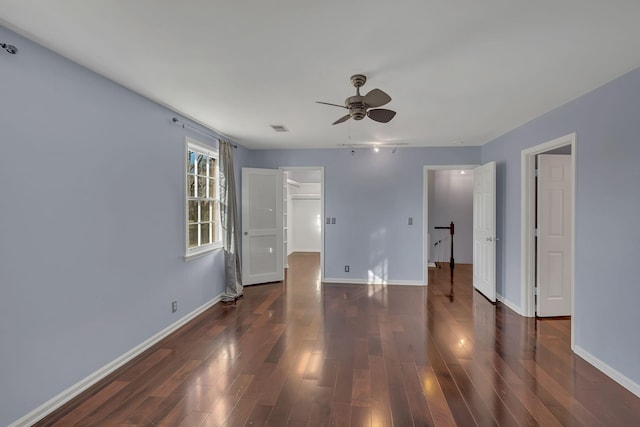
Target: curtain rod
(187, 125)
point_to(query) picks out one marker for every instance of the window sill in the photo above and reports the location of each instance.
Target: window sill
(202, 252)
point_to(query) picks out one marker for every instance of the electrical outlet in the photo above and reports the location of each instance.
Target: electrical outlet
(174, 306)
(346, 268)
(410, 221)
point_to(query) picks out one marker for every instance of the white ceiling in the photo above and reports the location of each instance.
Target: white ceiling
(457, 70)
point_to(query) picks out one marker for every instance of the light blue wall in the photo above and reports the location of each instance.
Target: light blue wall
(91, 225)
(372, 195)
(607, 289)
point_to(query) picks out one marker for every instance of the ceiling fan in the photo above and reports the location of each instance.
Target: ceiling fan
(360, 106)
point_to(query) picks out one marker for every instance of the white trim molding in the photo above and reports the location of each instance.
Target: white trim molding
(621, 379)
(348, 281)
(56, 402)
(510, 305)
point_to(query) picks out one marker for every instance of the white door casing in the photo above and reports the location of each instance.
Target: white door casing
(262, 226)
(554, 212)
(484, 230)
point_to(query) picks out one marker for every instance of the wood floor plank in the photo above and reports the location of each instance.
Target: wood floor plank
(340, 414)
(344, 381)
(380, 398)
(400, 411)
(240, 413)
(452, 394)
(300, 353)
(92, 403)
(360, 416)
(417, 402)
(259, 416)
(361, 388)
(526, 394)
(496, 395)
(436, 399)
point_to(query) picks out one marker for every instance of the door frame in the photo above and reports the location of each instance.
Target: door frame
(527, 221)
(321, 168)
(425, 211)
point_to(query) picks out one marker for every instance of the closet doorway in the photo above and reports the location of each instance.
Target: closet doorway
(304, 212)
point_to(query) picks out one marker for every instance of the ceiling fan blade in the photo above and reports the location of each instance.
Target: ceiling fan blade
(327, 103)
(342, 119)
(381, 115)
(376, 98)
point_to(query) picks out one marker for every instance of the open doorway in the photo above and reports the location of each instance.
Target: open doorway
(448, 197)
(548, 228)
(304, 212)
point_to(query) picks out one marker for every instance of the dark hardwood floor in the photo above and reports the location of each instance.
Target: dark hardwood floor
(301, 353)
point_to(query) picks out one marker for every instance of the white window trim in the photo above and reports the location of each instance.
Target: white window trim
(194, 253)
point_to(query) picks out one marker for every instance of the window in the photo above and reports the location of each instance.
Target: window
(202, 227)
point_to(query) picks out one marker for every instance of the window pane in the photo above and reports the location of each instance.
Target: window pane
(191, 159)
(202, 190)
(202, 164)
(212, 188)
(191, 186)
(205, 211)
(193, 235)
(193, 211)
(204, 233)
(202, 187)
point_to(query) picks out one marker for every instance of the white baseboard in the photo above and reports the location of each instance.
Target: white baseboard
(367, 282)
(56, 402)
(431, 265)
(625, 382)
(509, 304)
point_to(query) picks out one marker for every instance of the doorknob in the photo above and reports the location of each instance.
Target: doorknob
(246, 233)
(489, 239)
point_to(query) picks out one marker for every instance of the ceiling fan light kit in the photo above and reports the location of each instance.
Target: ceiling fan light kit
(365, 106)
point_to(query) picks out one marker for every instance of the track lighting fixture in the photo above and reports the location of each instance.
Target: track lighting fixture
(375, 147)
(9, 48)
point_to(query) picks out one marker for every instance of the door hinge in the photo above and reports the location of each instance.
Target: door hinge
(535, 233)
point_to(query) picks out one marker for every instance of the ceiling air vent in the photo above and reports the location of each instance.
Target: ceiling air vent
(279, 128)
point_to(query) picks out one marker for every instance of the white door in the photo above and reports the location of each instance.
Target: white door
(262, 229)
(484, 230)
(554, 212)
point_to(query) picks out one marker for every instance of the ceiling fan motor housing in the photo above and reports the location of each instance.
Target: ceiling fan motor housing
(357, 107)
